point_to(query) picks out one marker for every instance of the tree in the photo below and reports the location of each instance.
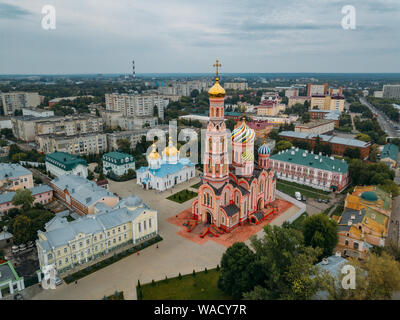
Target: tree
(124, 145)
(237, 270)
(90, 175)
(376, 279)
(195, 93)
(353, 153)
(285, 267)
(230, 124)
(22, 229)
(23, 197)
(320, 232)
(363, 137)
(282, 145)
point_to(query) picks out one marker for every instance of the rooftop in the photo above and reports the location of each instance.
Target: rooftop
(390, 151)
(9, 195)
(12, 170)
(65, 160)
(325, 138)
(85, 191)
(307, 159)
(61, 232)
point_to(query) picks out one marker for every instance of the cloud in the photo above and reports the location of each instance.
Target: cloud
(95, 36)
(9, 11)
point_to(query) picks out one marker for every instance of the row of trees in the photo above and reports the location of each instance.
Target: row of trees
(282, 265)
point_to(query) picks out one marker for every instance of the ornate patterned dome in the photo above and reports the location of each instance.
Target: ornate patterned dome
(264, 149)
(247, 156)
(170, 150)
(154, 154)
(243, 134)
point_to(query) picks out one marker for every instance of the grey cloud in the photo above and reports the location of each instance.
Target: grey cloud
(9, 11)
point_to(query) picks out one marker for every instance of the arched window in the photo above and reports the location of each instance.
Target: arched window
(210, 145)
(223, 144)
(225, 198)
(209, 166)
(217, 113)
(205, 199)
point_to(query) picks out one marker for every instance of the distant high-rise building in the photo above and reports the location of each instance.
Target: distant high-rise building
(12, 101)
(134, 105)
(317, 89)
(391, 91)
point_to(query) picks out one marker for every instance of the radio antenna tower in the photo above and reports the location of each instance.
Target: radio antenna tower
(133, 69)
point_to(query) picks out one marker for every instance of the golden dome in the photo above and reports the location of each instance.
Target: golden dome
(216, 90)
(154, 154)
(170, 150)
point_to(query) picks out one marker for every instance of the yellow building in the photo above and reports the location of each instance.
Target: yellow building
(13, 176)
(327, 102)
(70, 244)
(364, 221)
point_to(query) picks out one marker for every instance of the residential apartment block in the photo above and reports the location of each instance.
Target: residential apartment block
(236, 85)
(135, 105)
(27, 128)
(391, 91)
(89, 143)
(11, 101)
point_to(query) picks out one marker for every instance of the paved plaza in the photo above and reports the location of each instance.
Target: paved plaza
(174, 254)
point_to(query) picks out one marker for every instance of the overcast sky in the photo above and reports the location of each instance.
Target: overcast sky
(98, 36)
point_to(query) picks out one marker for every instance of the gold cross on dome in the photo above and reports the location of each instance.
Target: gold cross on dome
(217, 65)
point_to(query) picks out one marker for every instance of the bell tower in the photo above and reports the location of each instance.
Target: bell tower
(215, 161)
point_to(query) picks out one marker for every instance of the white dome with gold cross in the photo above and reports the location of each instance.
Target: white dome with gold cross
(154, 158)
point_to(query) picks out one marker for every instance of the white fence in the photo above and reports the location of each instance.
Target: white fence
(32, 164)
(295, 202)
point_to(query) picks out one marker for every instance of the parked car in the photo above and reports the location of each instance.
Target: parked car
(319, 200)
(326, 200)
(303, 197)
(18, 296)
(297, 195)
(58, 281)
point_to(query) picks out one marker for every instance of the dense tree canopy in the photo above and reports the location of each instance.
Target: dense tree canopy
(320, 232)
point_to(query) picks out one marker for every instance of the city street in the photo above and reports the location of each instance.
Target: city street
(386, 124)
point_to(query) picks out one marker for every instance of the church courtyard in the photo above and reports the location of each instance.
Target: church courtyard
(174, 255)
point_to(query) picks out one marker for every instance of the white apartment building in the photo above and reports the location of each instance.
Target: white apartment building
(11, 101)
(37, 113)
(236, 85)
(133, 105)
(184, 88)
(27, 128)
(131, 123)
(391, 91)
(89, 143)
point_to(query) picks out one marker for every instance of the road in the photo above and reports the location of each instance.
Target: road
(394, 223)
(386, 124)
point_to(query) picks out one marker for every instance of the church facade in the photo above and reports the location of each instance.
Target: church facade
(234, 193)
(165, 171)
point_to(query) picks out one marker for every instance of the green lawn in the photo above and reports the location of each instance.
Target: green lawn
(297, 224)
(203, 286)
(290, 188)
(196, 186)
(183, 196)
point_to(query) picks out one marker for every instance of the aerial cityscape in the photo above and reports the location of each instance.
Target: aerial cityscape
(154, 151)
